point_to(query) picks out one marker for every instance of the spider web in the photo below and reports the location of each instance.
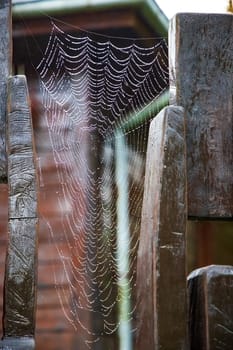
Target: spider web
(99, 95)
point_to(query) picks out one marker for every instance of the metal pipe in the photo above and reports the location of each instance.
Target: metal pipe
(123, 243)
(146, 113)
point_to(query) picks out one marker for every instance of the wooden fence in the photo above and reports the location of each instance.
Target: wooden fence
(188, 176)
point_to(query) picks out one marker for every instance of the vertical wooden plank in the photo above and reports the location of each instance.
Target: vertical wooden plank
(161, 276)
(21, 264)
(201, 70)
(20, 292)
(211, 308)
(5, 71)
(21, 169)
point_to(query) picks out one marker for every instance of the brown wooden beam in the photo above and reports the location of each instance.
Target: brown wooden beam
(161, 275)
(201, 70)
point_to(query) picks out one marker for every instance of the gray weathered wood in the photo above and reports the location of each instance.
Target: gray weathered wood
(5, 71)
(21, 263)
(19, 125)
(22, 190)
(21, 169)
(201, 71)
(11, 343)
(161, 278)
(211, 308)
(20, 292)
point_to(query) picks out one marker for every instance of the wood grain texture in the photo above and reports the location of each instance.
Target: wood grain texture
(161, 277)
(211, 308)
(5, 71)
(20, 289)
(21, 262)
(21, 167)
(20, 140)
(201, 70)
(22, 187)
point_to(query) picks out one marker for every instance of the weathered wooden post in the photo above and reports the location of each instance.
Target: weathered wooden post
(211, 308)
(161, 276)
(21, 269)
(5, 71)
(17, 166)
(201, 70)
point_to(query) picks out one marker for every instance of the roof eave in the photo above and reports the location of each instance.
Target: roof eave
(148, 9)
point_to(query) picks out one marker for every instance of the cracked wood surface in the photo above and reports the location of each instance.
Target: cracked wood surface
(19, 310)
(21, 169)
(21, 263)
(201, 71)
(161, 278)
(5, 71)
(211, 308)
